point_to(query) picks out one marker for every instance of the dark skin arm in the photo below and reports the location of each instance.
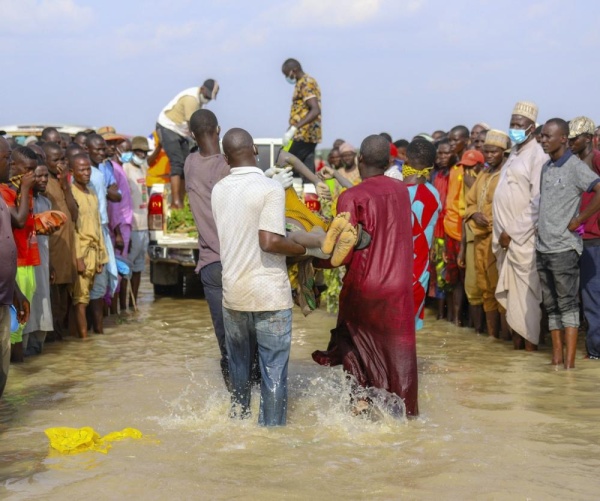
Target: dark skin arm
(22, 305)
(119, 242)
(287, 158)
(344, 183)
(69, 199)
(18, 215)
(590, 210)
(112, 194)
(461, 258)
(313, 113)
(278, 244)
(152, 158)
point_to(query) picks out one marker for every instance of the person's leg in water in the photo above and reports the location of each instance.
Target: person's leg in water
(211, 278)
(80, 321)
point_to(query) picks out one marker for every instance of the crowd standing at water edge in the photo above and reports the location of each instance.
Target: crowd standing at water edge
(497, 231)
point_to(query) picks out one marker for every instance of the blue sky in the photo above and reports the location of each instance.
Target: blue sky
(400, 66)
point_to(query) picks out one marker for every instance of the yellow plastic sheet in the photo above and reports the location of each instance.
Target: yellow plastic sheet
(75, 440)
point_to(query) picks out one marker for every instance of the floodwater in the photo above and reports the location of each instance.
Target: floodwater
(495, 424)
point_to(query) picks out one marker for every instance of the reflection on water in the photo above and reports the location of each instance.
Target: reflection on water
(495, 424)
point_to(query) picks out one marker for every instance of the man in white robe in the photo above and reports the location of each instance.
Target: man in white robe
(515, 209)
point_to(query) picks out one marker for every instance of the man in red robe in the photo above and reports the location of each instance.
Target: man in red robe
(374, 338)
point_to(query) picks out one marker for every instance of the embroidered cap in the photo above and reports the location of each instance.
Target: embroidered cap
(526, 109)
(498, 138)
(581, 125)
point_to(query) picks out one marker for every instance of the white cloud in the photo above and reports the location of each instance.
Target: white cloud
(26, 16)
(345, 13)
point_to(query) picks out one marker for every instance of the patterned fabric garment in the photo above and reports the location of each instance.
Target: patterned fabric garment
(305, 89)
(425, 205)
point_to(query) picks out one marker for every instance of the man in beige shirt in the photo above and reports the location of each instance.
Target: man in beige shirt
(174, 133)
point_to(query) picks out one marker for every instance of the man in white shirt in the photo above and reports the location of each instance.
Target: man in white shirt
(249, 212)
(173, 130)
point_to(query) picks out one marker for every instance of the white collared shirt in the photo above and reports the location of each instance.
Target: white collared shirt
(243, 203)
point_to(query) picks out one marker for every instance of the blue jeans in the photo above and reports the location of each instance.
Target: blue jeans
(272, 331)
(211, 278)
(590, 295)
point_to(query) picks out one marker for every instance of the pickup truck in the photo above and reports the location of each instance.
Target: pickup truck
(174, 254)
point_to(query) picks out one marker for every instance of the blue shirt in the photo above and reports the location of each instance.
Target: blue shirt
(98, 184)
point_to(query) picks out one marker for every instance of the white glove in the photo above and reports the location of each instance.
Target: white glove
(289, 135)
(271, 171)
(284, 177)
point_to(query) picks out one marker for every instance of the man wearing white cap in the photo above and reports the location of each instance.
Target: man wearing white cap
(515, 215)
(174, 132)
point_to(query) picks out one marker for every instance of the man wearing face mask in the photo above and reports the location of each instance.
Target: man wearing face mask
(305, 114)
(136, 171)
(515, 216)
(174, 132)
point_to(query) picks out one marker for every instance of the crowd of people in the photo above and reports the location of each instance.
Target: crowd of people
(499, 231)
(74, 235)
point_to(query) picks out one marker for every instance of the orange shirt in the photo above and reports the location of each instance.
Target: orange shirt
(28, 253)
(455, 203)
(159, 172)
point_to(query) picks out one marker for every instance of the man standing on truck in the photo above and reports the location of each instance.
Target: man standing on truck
(173, 130)
(305, 114)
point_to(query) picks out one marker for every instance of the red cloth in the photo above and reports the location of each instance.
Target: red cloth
(375, 334)
(591, 225)
(440, 183)
(28, 253)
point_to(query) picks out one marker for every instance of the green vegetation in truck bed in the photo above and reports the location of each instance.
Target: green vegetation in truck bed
(182, 221)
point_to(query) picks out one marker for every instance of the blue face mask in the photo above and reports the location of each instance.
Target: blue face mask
(517, 136)
(290, 80)
(126, 156)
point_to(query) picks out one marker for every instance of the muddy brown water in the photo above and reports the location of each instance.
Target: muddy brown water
(495, 424)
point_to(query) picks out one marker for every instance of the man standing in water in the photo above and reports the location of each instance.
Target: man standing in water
(374, 338)
(564, 178)
(515, 215)
(249, 213)
(203, 170)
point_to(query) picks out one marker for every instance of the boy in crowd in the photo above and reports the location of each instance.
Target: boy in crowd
(90, 248)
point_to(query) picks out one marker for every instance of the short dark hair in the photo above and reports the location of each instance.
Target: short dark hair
(442, 141)
(461, 129)
(203, 121)
(93, 137)
(401, 143)
(291, 64)
(375, 151)
(386, 135)
(561, 124)
(50, 146)
(24, 152)
(46, 132)
(420, 153)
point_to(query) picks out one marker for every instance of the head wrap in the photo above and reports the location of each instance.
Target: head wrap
(407, 171)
